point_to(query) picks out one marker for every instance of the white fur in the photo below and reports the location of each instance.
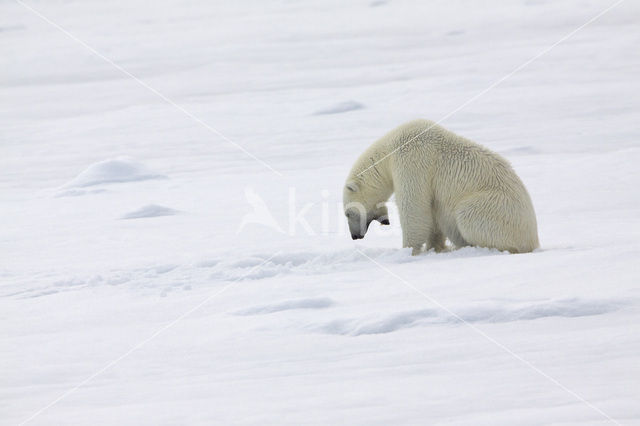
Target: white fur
(446, 187)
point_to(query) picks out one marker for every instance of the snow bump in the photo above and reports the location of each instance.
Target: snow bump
(115, 170)
(285, 305)
(340, 108)
(151, 210)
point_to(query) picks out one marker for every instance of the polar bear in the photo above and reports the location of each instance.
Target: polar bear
(445, 187)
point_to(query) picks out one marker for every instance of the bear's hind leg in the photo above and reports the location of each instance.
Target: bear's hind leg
(491, 219)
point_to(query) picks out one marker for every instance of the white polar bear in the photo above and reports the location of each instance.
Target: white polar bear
(446, 187)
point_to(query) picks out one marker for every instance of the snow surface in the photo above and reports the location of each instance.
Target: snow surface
(255, 307)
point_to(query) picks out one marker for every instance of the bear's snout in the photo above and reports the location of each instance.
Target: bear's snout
(356, 237)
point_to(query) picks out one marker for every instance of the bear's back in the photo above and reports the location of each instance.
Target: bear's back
(452, 159)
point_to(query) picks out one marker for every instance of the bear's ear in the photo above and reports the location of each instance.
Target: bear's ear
(352, 186)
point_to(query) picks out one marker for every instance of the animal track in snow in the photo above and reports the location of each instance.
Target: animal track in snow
(256, 266)
(260, 266)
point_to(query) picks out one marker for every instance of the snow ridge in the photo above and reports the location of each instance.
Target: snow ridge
(285, 305)
(487, 312)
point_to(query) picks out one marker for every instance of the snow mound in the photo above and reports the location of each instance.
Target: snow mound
(487, 313)
(115, 170)
(151, 210)
(285, 305)
(340, 108)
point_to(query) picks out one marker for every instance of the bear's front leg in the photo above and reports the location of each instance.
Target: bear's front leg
(420, 238)
(416, 222)
(437, 241)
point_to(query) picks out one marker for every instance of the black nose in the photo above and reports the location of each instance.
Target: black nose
(356, 237)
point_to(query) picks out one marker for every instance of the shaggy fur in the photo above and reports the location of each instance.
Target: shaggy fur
(446, 187)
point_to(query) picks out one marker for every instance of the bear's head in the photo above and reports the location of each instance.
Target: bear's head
(362, 205)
